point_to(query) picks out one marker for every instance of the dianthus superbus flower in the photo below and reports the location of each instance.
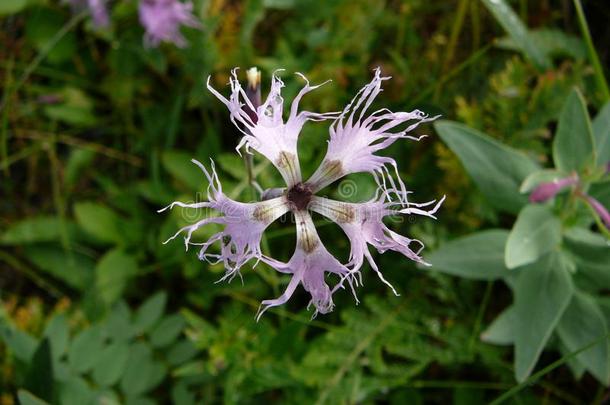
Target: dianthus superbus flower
(356, 139)
(162, 20)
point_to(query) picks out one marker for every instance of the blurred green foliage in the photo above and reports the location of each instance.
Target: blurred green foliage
(97, 133)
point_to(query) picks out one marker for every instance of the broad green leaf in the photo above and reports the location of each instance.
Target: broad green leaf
(601, 131)
(19, 343)
(582, 323)
(179, 165)
(502, 329)
(551, 42)
(76, 108)
(74, 269)
(78, 162)
(601, 192)
(232, 164)
(541, 176)
(167, 331)
(85, 349)
(536, 232)
(39, 376)
(478, 256)
(113, 272)
(119, 324)
(12, 6)
(511, 23)
(99, 221)
(142, 373)
(591, 253)
(543, 292)
(42, 25)
(150, 312)
(574, 145)
(75, 391)
(181, 352)
(111, 364)
(27, 398)
(496, 169)
(181, 395)
(57, 332)
(35, 229)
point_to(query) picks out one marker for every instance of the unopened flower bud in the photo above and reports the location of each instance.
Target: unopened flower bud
(546, 191)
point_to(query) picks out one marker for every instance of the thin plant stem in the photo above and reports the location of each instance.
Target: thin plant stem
(600, 79)
(480, 314)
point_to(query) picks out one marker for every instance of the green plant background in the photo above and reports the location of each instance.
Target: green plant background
(97, 133)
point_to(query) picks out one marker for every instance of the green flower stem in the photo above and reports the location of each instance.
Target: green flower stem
(600, 79)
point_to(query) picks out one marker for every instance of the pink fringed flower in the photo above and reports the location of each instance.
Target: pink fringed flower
(97, 9)
(355, 139)
(162, 20)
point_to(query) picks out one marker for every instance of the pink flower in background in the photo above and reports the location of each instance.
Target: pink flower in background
(97, 9)
(355, 139)
(162, 20)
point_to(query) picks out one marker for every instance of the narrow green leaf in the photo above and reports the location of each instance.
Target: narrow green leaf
(582, 323)
(511, 23)
(601, 131)
(33, 230)
(12, 6)
(574, 145)
(477, 256)
(536, 232)
(543, 293)
(150, 312)
(112, 272)
(74, 269)
(39, 377)
(99, 221)
(496, 169)
(502, 329)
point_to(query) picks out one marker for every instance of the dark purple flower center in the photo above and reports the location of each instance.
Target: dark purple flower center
(299, 196)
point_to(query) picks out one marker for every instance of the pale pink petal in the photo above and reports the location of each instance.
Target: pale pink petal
(363, 225)
(308, 266)
(600, 209)
(243, 224)
(355, 138)
(265, 130)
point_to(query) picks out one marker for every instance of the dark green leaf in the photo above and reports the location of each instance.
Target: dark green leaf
(496, 169)
(35, 229)
(542, 295)
(574, 145)
(478, 256)
(179, 165)
(19, 343)
(551, 42)
(592, 255)
(75, 391)
(536, 232)
(142, 372)
(583, 323)
(74, 269)
(39, 377)
(57, 332)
